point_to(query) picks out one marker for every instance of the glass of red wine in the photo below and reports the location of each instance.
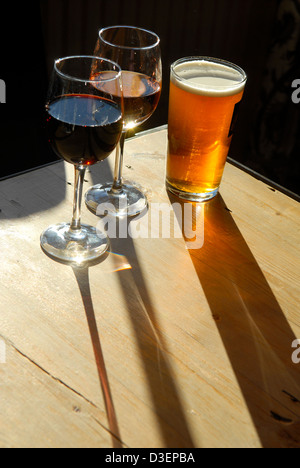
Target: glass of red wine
(84, 122)
(137, 51)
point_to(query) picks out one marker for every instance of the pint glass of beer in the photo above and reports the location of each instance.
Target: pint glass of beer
(204, 99)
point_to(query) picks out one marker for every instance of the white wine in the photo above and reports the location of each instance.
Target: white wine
(141, 95)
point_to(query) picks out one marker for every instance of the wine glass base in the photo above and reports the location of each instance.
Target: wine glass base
(61, 243)
(102, 199)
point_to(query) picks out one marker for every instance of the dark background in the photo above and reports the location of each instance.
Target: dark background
(262, 36)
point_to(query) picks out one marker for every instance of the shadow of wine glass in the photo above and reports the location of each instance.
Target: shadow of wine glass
(161, 379)
(81, 273)
(82, 277)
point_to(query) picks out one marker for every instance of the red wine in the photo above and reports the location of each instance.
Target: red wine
(83, 129)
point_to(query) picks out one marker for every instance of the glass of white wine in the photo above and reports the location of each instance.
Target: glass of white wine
(137, 52)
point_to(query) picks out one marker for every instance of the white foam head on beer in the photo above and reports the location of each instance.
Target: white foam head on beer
(208, 78)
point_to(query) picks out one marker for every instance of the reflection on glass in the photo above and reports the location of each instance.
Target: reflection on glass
(137, 51)
(84, 121)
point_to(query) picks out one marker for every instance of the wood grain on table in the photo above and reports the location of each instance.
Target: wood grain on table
(158, 345)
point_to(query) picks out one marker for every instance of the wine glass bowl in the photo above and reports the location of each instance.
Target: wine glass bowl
(84, 121)
(137, 52)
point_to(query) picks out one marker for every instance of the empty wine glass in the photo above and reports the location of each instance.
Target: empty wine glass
(84, 121)
(137, 52)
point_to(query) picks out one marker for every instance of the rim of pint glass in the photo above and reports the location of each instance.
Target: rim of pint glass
(88, 80)
(203, 58)
(151, 46)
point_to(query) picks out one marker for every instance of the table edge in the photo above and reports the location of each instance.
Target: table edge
(274, 186)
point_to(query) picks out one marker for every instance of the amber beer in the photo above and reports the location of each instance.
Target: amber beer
(203, 105)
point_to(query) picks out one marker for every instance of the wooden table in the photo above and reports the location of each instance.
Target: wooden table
(157, 345)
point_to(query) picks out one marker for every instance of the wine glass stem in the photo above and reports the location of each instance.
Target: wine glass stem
(78, 188)
(117, 185)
